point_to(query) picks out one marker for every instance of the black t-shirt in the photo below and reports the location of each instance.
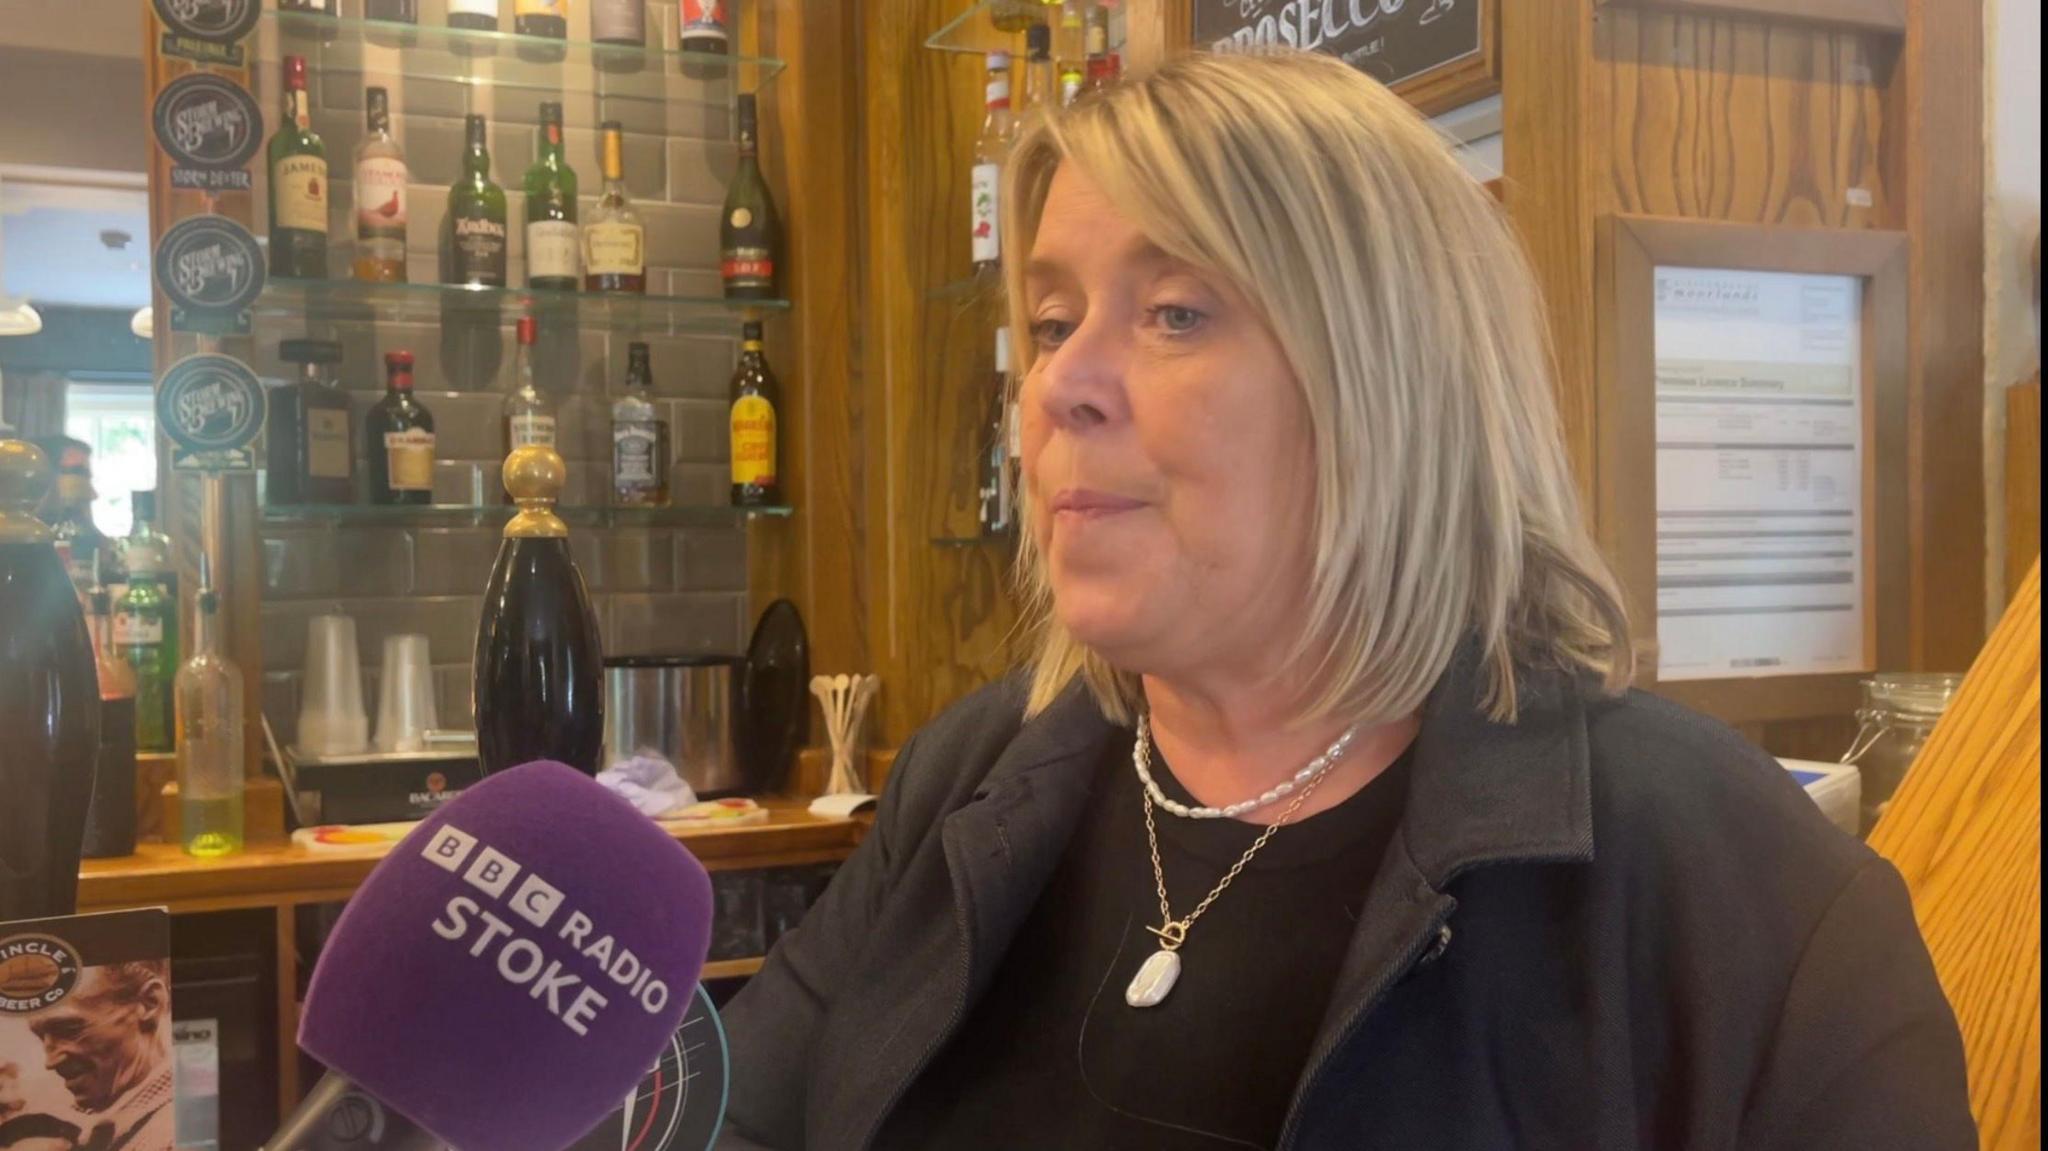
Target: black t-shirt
(1052, 1056)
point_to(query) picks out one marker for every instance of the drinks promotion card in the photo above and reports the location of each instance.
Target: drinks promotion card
(85, 1032)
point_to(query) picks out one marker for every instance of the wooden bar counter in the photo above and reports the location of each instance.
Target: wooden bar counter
(282, 878)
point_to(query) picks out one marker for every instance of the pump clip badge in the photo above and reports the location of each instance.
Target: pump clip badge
(206, 31)
(211, 406)
(210, 127)
(212, 270)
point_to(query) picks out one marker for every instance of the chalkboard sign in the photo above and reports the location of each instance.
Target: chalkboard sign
(1436, 53)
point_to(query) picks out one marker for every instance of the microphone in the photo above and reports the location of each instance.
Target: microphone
(511, 970)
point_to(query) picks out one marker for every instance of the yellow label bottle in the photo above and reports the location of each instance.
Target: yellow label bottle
(756, 476)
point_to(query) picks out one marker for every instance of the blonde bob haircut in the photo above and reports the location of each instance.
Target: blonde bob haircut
(1444, 509)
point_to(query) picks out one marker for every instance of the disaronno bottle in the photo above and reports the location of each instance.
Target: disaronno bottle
(614, 241)
(755, 394)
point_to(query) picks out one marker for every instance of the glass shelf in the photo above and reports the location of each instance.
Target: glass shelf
(367, 301)
(652, 73)
(459, 515)
(973, 32)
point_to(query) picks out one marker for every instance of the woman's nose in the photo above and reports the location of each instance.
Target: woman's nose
(1081, 382)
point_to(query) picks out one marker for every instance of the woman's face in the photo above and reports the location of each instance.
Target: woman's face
(1166, 447)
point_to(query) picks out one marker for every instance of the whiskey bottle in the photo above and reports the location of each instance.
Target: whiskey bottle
(392, 11)
(539, 662)
(747, 233)
(614, 241)
(544, 18)
(400, 431)
(309, 449)
(473, 241)
(640, 452)
(705, 29)
(619, 22)
(529, 417)
(473, 15)
(298, 184)
(755, 397)
(380, 196)
(551, 236)
(52, 729)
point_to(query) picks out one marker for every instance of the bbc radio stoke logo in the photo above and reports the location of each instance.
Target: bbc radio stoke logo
(36, 971)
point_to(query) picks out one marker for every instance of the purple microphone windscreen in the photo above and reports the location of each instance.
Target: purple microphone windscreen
(510, 971)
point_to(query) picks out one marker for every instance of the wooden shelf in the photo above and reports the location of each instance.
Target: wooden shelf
(162, 875)
(730, 969)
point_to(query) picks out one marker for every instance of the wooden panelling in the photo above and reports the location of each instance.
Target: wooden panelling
(940, 617)
(1965, 832)
(2022, 480)
(1743, 120)
(1935, 163)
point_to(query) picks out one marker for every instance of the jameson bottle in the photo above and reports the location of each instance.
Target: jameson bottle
(747, 234)
(755, 396)
(614, 240)
(551, 235)
(400, 431)
(639, 438)
(380, 196)
(50, 712)
(539, 663)
(298, 185)
(473, 240)
(309, 449)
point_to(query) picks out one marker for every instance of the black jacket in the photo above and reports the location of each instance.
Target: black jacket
(1612, 924)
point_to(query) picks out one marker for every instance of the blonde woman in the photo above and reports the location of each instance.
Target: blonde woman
(1324, 817)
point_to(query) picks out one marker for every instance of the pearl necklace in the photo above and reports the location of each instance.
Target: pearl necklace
(1141, 757)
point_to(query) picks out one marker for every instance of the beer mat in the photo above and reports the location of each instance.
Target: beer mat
(733, 812)
(105, 976)
(341, 838)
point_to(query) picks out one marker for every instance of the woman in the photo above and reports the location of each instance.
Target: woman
(1323, 818)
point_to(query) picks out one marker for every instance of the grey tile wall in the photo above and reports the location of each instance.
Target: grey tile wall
(654, 590)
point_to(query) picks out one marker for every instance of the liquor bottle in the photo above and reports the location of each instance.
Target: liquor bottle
(1102, 72)
(614, 241)
(380, 196)
(621, 22)
(309, 447)
(1070, 35)
(394, 11)
(400, 431)
(639, 438)
(146, 636)
(545, 18)
(1095, 39)
(755, 397)
(310, 7)
(68, 512)
(705, 29)
(473, 15)
(1072, 80)
(144, 533)
(1041, 81)
(110, 817)
(991, 149)
(1014, 15)
(210, 783)
(998, 487)
(473, 241)
(529, 417)
(748, 232)
(49, 715)
(539, 662)
(298, 185)
(551, 237)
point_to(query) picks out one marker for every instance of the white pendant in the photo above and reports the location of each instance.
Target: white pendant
(1155, 978)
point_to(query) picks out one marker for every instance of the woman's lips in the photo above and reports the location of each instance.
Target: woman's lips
(1084, 503)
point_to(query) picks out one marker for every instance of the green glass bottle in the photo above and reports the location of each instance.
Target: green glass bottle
(552, 238)
(298, 184)
(747, 231)
(473, 241)
(146, 635)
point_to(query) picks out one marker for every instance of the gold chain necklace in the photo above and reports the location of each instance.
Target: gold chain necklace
(1160, 971)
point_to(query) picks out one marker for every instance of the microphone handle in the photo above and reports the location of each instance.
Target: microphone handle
(302, 1129)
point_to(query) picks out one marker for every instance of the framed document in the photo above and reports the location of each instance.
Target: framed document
(1757, 375)
(1436, 54)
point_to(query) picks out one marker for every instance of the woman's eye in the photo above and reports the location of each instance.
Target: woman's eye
(1177, 319)
(1050, 333)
